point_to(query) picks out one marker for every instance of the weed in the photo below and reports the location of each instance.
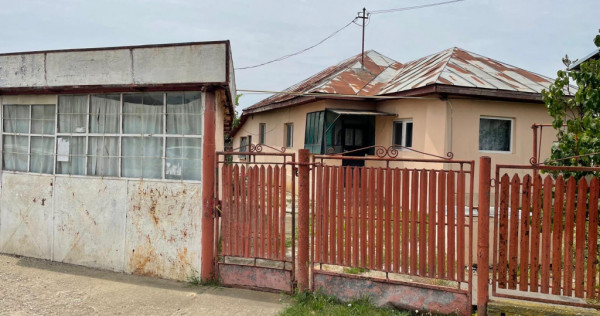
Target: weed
(355, 270)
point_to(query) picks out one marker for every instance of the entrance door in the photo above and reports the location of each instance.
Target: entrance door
(353, 139)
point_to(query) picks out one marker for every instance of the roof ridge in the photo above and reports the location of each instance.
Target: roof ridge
(446, 62)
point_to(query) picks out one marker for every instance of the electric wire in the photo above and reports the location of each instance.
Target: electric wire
(300, 51)
(413, 7)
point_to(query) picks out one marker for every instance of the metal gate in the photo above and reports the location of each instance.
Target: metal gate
(256, 239)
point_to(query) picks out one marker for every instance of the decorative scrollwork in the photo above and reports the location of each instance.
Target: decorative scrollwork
(388, 152)
(533, 161)
(256, 148)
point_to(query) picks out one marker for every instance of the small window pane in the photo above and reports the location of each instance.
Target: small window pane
(398, 133)
(358, 137)
(349, 138)
(15, 151)
(70, 155)
(72, 113)
(262, 133)
(183, 159)
(289, 135)
(142, 113)
(104, 113)
(16, 118)
(494, 134)
(184, 113)
(42, 154)
(409, 134)
(103, 159)
(42, 119)
(142, 157)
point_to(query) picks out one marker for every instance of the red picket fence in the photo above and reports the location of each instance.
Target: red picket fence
(394, 220)
(546, 234)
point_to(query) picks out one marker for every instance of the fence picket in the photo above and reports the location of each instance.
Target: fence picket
(261, 213)
(269, 212)
(568, 239)
(282, 216)
(276, 202)
(363, 217)
(423, 223)
(441, 221)
(388, 219)
(592, 243)
(332, 216)
(450, 211)
(348, 222)
(432, 227)
(546, 222)
(371, 228)
(535, 234)
(397, 223)
(379, 225)
(557, 234)
(318, 213)
(460, 228)
(355, 217)
(414, 208)
(514, 232)
(340, 217)
(503, 232)
(580, 237)
(405, 218)
(326, 215)
(526, 204)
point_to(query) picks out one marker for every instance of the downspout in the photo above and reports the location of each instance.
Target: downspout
(450, 119)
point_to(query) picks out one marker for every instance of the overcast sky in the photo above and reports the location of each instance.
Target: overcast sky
(531, 34)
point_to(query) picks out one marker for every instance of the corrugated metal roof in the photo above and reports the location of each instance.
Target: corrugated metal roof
(360, 112)
(382, 75)
(347, 77)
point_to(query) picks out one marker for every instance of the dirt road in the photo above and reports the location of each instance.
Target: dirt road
(30, 286)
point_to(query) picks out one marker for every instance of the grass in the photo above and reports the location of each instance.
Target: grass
(195, 280)
(355, 270)
(307, 303)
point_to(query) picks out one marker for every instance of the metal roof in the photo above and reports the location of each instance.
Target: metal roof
(593, 55)
(382, 75)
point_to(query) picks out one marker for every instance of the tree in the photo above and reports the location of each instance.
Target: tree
(579, 141)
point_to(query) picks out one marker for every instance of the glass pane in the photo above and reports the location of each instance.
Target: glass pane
(43, 119)
(16, 118)
(15, 150)
(142, 113)
(349, 137)
(42, 154)
(104, 116)
(398, 133)
(262, 133)
(289, 135)
(103, 159)
(142, 157)
(70, 155)
(72, 113)
(409, 134)
(184, 113)
(358, 137)
(494, 134)
(183, 159)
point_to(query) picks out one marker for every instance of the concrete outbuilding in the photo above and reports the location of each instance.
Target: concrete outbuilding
(108, 154)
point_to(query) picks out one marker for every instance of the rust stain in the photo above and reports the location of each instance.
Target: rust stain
(43, 202)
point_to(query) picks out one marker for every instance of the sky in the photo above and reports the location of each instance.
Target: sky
(531, 34)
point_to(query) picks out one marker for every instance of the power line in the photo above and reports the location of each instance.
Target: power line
(413, 7)
(300, 51)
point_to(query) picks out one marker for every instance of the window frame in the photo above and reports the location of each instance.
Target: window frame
(404, 123)
(287, 128)
(164, 136)
(512, 131)
(262, 133)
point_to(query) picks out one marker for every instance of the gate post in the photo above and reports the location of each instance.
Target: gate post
(303, 219)
(208, 189)
(483, 240)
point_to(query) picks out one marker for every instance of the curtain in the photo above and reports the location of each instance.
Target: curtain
(70, 156)
(72, 113)
(42, 154)
(142, 113)
(104, 113)
(184, 113)
(15, 150)
(103, 159)
(42, 119)
(494, 134)
(16, 118)
(142, 157)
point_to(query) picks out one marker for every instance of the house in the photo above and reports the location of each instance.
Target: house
(453, 101)
(108, 153)
(593, 55)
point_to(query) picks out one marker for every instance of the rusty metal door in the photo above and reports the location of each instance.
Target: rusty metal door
(257, 218)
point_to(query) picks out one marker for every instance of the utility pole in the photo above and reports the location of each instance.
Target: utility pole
(364, 17)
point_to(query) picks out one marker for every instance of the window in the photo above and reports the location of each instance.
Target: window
(136, 135)
(289, 135)
(28, 138)
(403, 133)
(313, 134)
(243, 146)
(495, 134)
(262, 133)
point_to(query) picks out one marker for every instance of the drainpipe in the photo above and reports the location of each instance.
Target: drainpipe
(208, 188)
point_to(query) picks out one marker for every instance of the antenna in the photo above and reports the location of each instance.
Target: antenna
(364, 17)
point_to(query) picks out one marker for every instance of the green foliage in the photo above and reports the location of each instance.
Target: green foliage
(581, 114)
(355, 270)
(307, 303)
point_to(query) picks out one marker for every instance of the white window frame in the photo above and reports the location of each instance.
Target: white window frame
(512, 134)
(262, 133)
(403, 142)
(163, 135)
(285, 135)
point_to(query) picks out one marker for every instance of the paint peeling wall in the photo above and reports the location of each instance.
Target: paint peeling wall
(140, 227)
